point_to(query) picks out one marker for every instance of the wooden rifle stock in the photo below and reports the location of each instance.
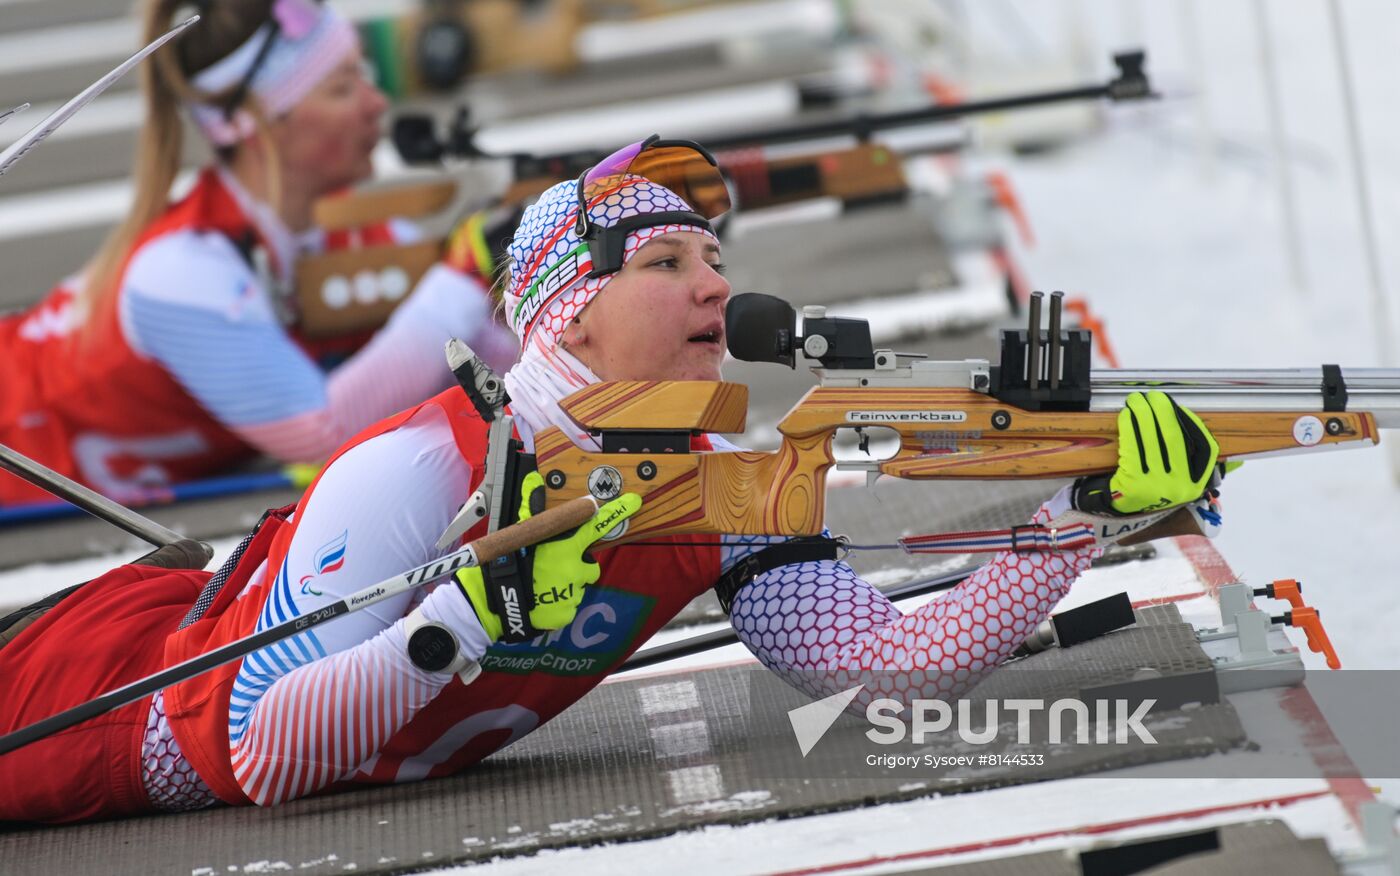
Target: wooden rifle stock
(943, 433)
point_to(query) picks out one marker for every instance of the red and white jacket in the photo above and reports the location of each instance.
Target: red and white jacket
(521, 686)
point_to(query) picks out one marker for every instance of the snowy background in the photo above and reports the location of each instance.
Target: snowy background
(1171, 225)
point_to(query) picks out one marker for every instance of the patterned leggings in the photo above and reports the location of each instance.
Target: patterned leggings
(822, 628)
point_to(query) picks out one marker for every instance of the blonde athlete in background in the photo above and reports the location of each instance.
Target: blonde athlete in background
(171, 357)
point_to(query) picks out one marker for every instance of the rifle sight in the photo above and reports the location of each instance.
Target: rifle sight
(1040, 370)
(763, 328)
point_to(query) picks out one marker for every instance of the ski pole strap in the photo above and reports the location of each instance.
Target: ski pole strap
(510, 594)
(805, 549)
(1017, 539)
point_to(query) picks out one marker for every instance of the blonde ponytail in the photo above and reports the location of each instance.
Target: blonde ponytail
(165, 83)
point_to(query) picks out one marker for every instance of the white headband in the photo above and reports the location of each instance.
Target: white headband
(311, 41)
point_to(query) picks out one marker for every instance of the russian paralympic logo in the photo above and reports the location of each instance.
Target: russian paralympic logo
(329, 557)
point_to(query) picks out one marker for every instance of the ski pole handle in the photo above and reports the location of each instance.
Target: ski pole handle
(561, 518)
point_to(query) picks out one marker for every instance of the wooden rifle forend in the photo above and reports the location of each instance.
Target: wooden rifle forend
(960, 433)
(944, 432)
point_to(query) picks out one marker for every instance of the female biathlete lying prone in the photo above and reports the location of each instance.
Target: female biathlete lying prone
(173, 355)
(630, 288)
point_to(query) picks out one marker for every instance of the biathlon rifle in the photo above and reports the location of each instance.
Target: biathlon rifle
(1040, 412)
(417, 141)
(862, 173)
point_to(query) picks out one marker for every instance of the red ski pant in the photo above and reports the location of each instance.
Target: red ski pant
(109, 632)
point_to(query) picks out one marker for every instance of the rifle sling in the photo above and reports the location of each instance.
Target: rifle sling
(805, 549)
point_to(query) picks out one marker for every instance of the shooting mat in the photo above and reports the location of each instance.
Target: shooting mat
(620, 765)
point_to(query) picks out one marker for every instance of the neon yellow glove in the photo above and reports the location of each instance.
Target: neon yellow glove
(1166, 457)
(547, 587)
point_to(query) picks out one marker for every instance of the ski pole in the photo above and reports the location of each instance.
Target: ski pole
(12, 112)
(12, 461)
(485, 549)
(92, 502)
(34, 136)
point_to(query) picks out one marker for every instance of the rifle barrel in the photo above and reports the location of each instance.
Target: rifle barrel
(416, 142)
(1376, 390)
(862, 125)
